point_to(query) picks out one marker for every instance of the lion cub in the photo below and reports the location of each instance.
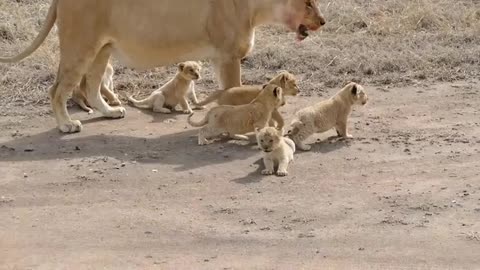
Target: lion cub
(240, 119)
(277, 150)
(245, 94)
(79, 94)
(174, 92)
(327, 114)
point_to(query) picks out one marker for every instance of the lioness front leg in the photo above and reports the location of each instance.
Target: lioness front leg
(94, 80)
(185, 106)
(112, 98)
(228, 72)
(282, 167)
(269, 166)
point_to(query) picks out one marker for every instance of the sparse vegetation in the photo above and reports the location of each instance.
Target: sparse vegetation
(373, 42)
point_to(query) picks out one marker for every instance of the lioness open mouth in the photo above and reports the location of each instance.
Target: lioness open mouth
(302, 32)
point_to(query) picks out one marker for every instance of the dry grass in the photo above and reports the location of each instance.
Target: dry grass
(374, 42)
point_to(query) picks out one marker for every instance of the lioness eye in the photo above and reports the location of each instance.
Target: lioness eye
(261, 141)
(271, 141)
(309, 4)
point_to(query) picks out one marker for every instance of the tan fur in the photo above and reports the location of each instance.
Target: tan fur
(151, 33)
(79, 94)
(277, 150)
(174, 92)
(245, 94)
(239, 119)
(330, 113)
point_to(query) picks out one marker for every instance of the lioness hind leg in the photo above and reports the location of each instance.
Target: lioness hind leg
(67, 79)
(94, 80)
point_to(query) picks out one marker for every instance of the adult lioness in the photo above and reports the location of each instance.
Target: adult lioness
(150, 33)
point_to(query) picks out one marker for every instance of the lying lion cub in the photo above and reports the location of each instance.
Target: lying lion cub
(174, 92)
(246, 93)
(277, 150)
(327, 114)
(240, 119)
(79, 94)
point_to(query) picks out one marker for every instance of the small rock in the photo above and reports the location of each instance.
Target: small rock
(77, 148)
(154, 171)
(361, 249)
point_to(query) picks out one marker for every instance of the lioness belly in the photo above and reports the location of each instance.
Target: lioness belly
(143, 57)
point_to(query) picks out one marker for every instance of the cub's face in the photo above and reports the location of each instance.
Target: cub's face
(288, 82)
(359, 95)
(268, 139)
(190, 70)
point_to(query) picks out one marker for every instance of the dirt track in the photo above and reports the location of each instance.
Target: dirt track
(138, 193)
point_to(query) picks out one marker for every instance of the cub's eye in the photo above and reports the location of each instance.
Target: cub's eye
(261, 141)
(271, 141)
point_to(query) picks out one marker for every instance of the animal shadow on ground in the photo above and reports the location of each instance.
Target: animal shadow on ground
(178, 149)
(328, 145)
(254, 176)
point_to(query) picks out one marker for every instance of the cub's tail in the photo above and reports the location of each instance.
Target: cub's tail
(143, 103)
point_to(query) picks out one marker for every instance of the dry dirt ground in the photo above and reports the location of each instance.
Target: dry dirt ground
(138, 193)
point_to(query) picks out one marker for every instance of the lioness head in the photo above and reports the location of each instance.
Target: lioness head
(303, 16)
(268, 138)
(190, 70)
(358, 93)
(271, 94)
(287, 81)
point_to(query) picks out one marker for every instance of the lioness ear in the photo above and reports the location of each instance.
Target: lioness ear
(276, 91)
(264, 86)
(181, 66)
(354, 90)
(283, 79)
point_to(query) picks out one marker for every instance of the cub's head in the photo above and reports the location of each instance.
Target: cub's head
(271, 94)
(190, 70)
(356, 92)
(268, 138)
(287, 81)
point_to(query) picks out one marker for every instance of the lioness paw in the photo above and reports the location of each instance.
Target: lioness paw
(115, 112)
(71, 127)
(187, 111)
(267, 172)
(282, 173)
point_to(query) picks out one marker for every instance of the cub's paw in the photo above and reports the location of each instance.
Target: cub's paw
(282, 173)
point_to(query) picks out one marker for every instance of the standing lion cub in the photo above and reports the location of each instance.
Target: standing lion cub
(277, 150)
(240, 119)
(327, 114)
(174, 92)
(246, 93)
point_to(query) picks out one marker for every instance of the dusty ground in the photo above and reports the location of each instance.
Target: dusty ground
(138, 193)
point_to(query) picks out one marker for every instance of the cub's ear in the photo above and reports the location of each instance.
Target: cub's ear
(181, 66)
(354, 90)
(264, 86)
(277, 91)
(257, 129)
